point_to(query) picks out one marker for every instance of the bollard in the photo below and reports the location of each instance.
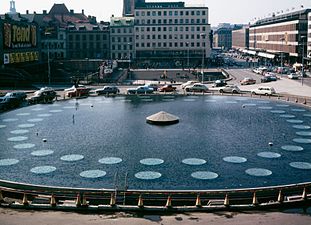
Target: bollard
(168, 202)
(280, 197)
(112, 200)
(1, 197)
(25, 201)
(305, 101)
(140, 202)
(255, 200)
(198, 202)
(304, 194)
(226, 202)
(53, 201)
(287, 99)
(84, 202)
(296, 100)
(78, 200)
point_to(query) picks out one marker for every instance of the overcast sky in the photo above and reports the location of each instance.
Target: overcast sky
(221, 11)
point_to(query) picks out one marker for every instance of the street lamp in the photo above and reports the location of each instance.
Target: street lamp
(49, 66)
(129, 58)
(302, 61)
(282, 39)
(203, 35)
(188, 48)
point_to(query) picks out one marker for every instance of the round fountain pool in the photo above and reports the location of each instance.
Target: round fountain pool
(220, 142)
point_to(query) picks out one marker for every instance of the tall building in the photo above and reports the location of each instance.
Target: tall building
(122, 38)
(129, 6)
(223, 38)
(282, 37)
(170, 30)
(240, 38)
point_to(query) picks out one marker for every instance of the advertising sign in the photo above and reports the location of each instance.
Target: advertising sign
(20, 57)
(19, 36)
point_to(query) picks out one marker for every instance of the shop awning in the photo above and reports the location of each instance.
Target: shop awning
(266, 55)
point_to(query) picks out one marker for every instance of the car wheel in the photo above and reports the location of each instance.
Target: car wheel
(187, 89)
(266, 94)
(221, 91)
(253, 93)
(234, 92)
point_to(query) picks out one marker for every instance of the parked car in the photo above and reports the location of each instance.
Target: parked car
(197, 87)
(9, 103)
(153, 86)
(107, 90)
(263, 91)
(167, 88)
(293, 76)
(247, 81)
(74, 87)
(78, 92)
(219, 83)
(140, 90)
(268, 78)
(20, 95)
(43, 95)
(190, 82)
(231, 88)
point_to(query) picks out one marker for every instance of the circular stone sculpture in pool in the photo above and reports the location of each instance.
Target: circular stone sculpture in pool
(162, 118)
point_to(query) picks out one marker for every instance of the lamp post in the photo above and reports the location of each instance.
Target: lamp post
(129, 58)
(188, 48)
(302, 56)
(203, 35)
(282, 39)
(48, 48)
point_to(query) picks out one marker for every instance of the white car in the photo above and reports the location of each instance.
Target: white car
(190, 82)
(293, 76)
(74, 87)
(230, 88)
(263, 91)
(197, 87)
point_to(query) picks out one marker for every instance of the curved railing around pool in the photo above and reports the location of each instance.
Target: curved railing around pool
(21, 195)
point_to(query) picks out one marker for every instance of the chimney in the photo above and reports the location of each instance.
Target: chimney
(44, 12)
(82, 11)
(27, 11)
(72, 11)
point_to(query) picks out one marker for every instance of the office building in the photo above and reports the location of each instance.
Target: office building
(282, 37)
(171, 31)
(240, 39)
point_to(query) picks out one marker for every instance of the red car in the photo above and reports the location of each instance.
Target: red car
(247, 81)
(167, 88)
(78, 92)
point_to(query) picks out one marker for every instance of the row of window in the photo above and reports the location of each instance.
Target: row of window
(52, 45)
(170, 29)
(169, 44)
(78, 37)
(171, 21)
(169, 36)
(85, 46)
(122, 30)
(158, 45)
(171, 13)
(119, 39)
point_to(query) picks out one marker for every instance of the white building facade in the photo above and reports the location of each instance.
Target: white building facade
(171, 31)
(309, 35)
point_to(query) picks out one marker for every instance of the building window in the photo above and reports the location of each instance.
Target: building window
(137, 13)
(198, 28)
(143, 13)
(165, 13)
(164, 44)
(181, 21)
(176, 21)
(203, 13)
(187, 13)
(153, 13)
(170, 13)
(198, 21)
(159, 29)
(159, 21)
(148, 13)
(104, 37)
(192, 13)
(148, 29)
(159, 44)
(198, 13)
(159, 13)
(176, 13)
(181, 13)
(159, 36)
(113, 39)
(153, 29)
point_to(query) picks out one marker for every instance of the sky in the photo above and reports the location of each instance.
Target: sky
(221, 11)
